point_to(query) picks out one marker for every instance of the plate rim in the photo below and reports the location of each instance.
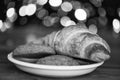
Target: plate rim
(53, 67)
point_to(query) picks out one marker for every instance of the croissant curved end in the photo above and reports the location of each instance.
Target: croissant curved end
(100, 56)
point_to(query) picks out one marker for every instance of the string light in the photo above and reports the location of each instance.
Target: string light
(3, 27)
(42, 2)
(13, 18)
(55, 17)
(66, 6)
(10, 12)
(54, 20)
(22, 11)
(31, 9)
(64, 19)
(47, 21)
(55, 3)
(42, 13)
(1, 24)
(116, 25)
(80, 14)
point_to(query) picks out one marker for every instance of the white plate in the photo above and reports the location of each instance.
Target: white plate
(54, 71)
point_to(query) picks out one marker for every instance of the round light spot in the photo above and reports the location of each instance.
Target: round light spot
(64, 19)
(1, 24)
(80, 14)
(42, 2)
(55, 17)
(3, 28)
(93, 28)
(47, 21)
(13, 18)
(66, 6)
(22, 11)
(31, 9)
(10, 12)
(55, 3)
(41, 13)
(54, 20)
(116, 25)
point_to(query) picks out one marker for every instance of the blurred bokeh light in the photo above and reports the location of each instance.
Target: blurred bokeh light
(30, 9)
(81, 14)
(66, 6)
(41, 2)
(55, 3)
(22, 10)
(116, 25)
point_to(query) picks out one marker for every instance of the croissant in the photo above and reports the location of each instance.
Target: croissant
(78, 41)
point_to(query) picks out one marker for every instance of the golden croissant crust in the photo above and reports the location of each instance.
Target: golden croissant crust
(77, 41)
(74, 41)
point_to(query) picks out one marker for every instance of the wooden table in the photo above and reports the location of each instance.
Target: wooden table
(8, 71)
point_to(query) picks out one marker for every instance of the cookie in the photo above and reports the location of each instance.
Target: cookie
(58, 60)
(33, 51)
